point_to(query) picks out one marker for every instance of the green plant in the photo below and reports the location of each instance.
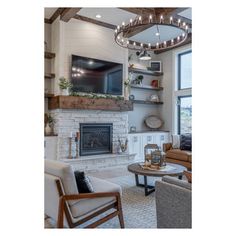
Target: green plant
(49, 119)
(64, 83)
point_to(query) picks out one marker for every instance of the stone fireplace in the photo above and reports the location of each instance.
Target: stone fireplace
(106, 126)
(95, 138)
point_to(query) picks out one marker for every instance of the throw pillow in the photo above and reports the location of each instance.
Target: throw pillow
(83, 183)
(188, 176)
(186, 142)
(175, 141)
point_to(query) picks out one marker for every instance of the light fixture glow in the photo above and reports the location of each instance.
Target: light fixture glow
(144, 56)
(90, 62)
(157, 34)
(98, 16)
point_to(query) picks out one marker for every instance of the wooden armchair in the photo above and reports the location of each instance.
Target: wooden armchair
(62, 198)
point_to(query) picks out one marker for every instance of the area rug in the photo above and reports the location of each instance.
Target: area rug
(138, 209)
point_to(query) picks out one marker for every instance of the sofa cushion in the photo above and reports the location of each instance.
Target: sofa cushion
(186, 142)
(86, 206)
(179, 154)
(83, 182)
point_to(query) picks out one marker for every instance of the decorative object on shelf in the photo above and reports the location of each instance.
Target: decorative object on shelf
(155, 66)
(64, 85)
(132, 129)
(77, 138)
(141, 21)
(153, 122)
(154, 98)
(138, 80)
(48, 124)
(131, 97)
(154, 157)
(155, 83)
(123, 145)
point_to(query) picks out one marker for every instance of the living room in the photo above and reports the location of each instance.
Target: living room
(111, 107)
(23, 134)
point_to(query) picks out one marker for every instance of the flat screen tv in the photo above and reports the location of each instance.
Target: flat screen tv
(91, 75)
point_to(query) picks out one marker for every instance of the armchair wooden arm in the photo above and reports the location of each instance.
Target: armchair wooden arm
(63, 207)
(167, 146)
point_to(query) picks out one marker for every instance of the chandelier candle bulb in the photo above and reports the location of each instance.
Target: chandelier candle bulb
(150, 18)
(131, 21)
(179, 21)
(140, 19)
(171, 20)
(161, 19)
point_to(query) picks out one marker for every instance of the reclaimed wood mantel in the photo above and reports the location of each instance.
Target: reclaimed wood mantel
(85, 103)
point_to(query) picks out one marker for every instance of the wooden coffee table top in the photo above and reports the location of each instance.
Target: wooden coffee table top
(177, 170)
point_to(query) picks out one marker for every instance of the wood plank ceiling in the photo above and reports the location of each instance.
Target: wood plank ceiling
(68, 13)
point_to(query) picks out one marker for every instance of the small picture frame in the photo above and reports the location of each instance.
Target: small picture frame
(155, 66)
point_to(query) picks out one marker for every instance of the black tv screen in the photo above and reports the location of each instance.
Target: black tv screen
(91, 75)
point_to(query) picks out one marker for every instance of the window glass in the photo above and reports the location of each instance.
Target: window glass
(185, 115)
(185, 70)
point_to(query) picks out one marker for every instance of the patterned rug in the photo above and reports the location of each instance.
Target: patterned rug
(138, 210)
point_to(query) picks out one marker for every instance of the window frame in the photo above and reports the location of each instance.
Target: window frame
(179, 69)
(178, 111)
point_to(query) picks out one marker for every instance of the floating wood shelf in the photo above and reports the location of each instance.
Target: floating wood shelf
(48, 95)
(147, 102)
(85, 103)
(145, 72)
(50, 135)
(49, 76)
(147, 87)
(49, 55)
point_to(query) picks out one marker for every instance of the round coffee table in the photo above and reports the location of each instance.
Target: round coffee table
(171, 169)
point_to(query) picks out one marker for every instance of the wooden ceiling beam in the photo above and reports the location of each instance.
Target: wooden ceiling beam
(69, 13)
(96, 22)
(54, 16)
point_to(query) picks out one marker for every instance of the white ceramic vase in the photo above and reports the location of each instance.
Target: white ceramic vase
(48, 129)
(64, 92)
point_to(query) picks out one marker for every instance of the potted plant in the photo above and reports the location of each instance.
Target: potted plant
(48, 124)
(64, 85)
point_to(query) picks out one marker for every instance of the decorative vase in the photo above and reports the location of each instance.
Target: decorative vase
(64, 92)
(48, 129)
(126, 93)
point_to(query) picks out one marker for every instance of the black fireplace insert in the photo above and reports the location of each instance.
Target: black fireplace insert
(95, 138)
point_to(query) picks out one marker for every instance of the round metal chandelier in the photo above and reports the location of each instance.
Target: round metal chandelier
(123, 30)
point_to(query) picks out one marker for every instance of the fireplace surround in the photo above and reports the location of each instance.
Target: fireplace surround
(95, 138)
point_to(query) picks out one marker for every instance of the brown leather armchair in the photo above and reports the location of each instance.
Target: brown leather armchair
(178, 156)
